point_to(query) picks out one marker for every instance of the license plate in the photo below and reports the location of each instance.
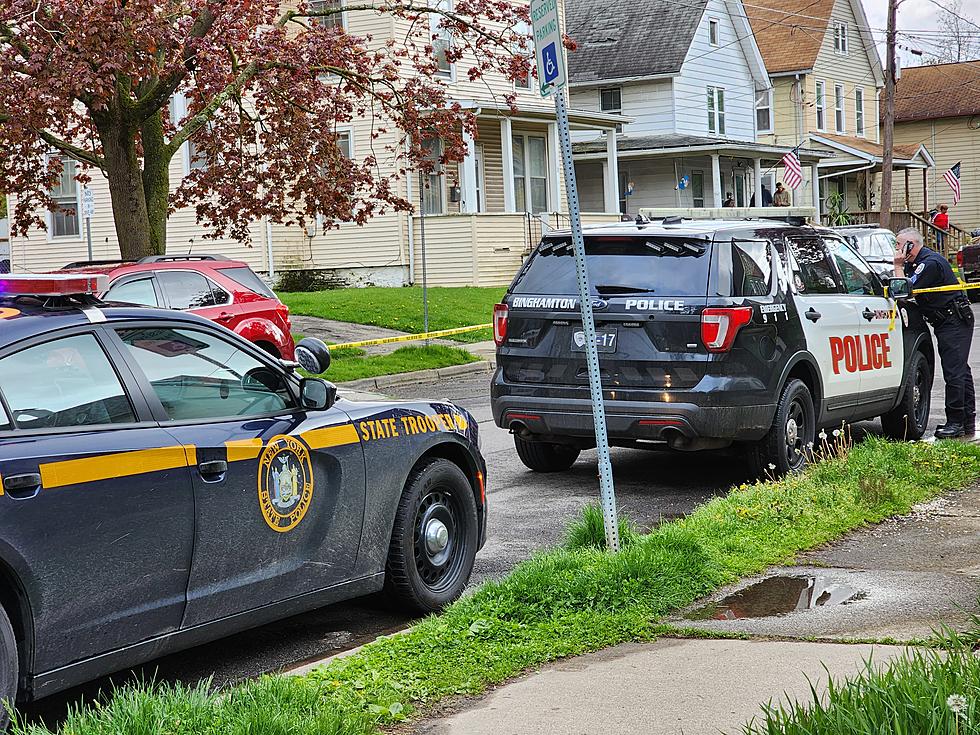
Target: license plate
(605, 341)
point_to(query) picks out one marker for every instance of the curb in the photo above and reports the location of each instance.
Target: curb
(420, 376)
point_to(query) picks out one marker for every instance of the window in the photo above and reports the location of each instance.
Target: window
(524, 29)
(441, 37)
(345, 143)
(4, 420)
(67, 382)
(336, 20)
(716, 110)
(819, 103)
(189, 290)
(713, 31)
(697, 188)
(763, 111)
(245, 276)
(136, 291)
(751, 268)
(859, 111)
(839, 108)
(813, 272)
(624, 184)
(840, 38)
(858, 279)
(433, 197)
(197, 375)
(531, 173)
(65, 219)
(611, 99)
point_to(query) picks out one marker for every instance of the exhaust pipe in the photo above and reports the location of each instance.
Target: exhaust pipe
(520, 428)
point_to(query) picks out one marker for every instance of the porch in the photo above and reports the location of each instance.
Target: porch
(953, 240)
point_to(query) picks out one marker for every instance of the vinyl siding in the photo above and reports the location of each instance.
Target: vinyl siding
(650, 104)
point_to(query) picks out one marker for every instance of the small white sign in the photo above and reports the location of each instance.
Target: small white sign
(548, 47)
(88, 203)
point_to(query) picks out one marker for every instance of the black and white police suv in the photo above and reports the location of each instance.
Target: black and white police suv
(709, 333)
(165, 483)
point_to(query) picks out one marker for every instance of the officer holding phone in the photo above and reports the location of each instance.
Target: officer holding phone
(951, 318)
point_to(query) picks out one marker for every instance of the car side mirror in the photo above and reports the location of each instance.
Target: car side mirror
(316, 394)
(313, 355)
(899, 288)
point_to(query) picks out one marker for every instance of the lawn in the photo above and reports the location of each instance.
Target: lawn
(353, 364)
(562, 602)
(401, 308)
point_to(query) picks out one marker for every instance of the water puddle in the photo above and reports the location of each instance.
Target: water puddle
(775, 596)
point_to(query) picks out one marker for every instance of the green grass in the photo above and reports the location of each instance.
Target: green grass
(568, 601)
(353, 364)
(401, 308)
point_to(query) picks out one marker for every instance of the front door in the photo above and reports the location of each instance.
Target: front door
(96, 499)
(279, 492)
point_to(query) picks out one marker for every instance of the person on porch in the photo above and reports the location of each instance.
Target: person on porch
(729, 201)
(941, 221)
(781, 197)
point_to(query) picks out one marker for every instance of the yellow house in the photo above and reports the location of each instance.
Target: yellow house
(939, 107)
(826, 81)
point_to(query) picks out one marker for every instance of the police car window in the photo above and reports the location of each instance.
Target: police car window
(197, 375)
(139, 291)
(620, 266)
(4, 421)
(751, 268)
(813, 272)
(66, 382)
(187, 290)
(857, 276)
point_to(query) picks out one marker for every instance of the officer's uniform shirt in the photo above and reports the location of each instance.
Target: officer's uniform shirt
(929, 270)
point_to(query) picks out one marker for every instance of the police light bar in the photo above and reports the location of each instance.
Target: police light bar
(84, 284)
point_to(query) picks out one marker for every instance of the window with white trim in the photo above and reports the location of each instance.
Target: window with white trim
(820, 103)
(839, 123)
(840, 38)
(859, 111)
(523, 28)
(611, 99)
(65, 221)
(763, 111)
(441, 36)
(433, 196)
(335, 20)
(345, 143)
(713, 31)
(716, 110)
(530, 155)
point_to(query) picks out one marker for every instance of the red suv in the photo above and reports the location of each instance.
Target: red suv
(225, 291)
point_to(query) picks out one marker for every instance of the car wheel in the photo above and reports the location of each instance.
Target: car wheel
(8, 669)
(544, 456)
(909, 419)
(789, 444)
(434, 538)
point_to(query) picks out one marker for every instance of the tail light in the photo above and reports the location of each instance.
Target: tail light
(499, 323)
(719, 327)
(959, 258)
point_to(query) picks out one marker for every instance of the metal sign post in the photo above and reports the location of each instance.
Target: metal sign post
(550, 54)
(88, 211)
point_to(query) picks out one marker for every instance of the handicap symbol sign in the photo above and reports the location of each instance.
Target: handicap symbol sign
(549, 55)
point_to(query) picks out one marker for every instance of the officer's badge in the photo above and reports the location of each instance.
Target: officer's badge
(285, 483)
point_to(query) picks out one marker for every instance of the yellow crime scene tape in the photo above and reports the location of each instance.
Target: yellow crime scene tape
(410, 337)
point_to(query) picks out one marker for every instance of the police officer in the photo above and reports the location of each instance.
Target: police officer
(951, 318)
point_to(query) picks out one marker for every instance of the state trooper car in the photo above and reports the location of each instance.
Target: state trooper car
(165, 483)
(709, 333)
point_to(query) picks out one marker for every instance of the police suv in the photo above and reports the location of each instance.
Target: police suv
(165, 482)
(709, 333)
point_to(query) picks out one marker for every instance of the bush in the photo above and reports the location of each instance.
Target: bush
(308, 281)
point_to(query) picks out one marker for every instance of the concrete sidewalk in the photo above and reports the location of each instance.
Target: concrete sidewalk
(898, 580)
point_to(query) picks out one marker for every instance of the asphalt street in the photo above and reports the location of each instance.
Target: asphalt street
(528, 511)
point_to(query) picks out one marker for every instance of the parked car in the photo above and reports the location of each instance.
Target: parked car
(220, 289)
(968, 261)
(876, 245)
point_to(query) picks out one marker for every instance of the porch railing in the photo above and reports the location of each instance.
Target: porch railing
(952, 240)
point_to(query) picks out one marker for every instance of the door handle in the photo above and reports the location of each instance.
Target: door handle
(224, 317)
(868, 314)
(214, 470)
(812, 314)
(23, 486)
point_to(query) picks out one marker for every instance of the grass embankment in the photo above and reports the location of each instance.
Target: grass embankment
(560, 603)
(401, 308)
(354, 364)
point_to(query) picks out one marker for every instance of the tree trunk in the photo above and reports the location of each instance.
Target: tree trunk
(156, 182)
(122, 169)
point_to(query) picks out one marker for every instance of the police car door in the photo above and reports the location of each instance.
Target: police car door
(879, 354)
(829, 319)
(279, 492)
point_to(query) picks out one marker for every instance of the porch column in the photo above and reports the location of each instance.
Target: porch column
(467, 175)
(757, 181)
(925, 192)
(507, 156)
(611, 170)
(815, 175)
(554, 168)
(716, 180)
(908, 199)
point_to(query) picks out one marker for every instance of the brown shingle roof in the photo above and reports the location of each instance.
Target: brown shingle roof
(942, 90)
(789, 33)
(901, 152)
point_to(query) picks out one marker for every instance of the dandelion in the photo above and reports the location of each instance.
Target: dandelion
(772, 466)
(957, 703)
(836, 432)
(822, 435)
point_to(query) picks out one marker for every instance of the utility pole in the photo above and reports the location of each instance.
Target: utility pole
(888, 136)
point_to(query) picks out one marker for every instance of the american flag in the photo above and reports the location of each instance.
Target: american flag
(794, 170)
(952, 177)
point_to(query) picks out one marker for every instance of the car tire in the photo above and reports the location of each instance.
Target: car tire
(9, 669)
(788, 445)
(910, 418)
(545, 456)
(426, 568)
